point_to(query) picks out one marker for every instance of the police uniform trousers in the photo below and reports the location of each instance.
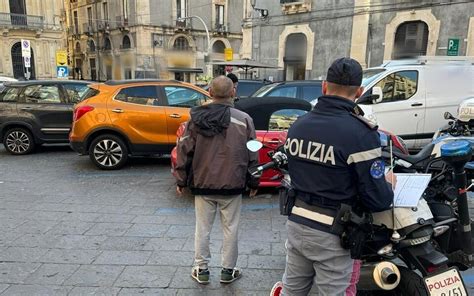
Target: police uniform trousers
(314, 256)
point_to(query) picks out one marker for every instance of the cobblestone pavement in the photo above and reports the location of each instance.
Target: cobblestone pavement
(70, 229)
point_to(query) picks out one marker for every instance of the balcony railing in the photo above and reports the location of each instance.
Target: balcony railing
(89, 28)
(23, 21)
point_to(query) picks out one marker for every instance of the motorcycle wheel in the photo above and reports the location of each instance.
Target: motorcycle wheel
(411, 284)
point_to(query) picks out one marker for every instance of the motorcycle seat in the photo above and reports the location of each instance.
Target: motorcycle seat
(424, 154)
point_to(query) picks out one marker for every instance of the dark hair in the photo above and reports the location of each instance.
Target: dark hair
(233, 77)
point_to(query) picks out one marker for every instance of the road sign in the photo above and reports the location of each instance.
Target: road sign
(25, 48)
(228, 54)
(27, 62)
(62, 72)
(61, 58)
(453, 47)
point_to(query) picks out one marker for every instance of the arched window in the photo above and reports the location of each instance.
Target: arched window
(126, 42)
(91, 45)
(78, 47)
(181, 44)
(411, 39)
(218, 47)
(107, 44)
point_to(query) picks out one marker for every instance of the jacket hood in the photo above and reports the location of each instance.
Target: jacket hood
(211, 119)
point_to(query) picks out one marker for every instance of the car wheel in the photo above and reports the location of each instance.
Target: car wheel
(18, 141)
(108, 152)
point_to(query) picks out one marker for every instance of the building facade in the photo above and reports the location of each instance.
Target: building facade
(40, 22)
(303, 37)
(125, 39)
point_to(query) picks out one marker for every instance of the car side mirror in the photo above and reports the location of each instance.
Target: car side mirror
(377, 94)
(368, 99)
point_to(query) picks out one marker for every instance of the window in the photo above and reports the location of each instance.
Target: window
(289, 92)
(283, 119)
(76, 23)
(43, 94)
(9, 94)
(411, 39)
(125, 9)
(142, 95)
(399, 86)
(105, 11)
(181, 44)
(126, 42)
(91, 45)
(311, 92)
(75, 91)
(219, 15)
(107, 44)
(180, 9)
(89, 16)
(184, 97)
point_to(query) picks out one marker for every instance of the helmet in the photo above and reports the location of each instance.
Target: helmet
(466, 110)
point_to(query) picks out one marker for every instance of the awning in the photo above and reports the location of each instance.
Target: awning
(245, 64)
(187, 70)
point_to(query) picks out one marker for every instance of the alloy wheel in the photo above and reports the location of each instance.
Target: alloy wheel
(18, 142)
(108, 153)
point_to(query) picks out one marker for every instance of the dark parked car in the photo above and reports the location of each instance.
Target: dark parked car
(37, 112)
(246, 87)
(307, 90)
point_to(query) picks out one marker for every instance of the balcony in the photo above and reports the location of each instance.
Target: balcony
(122, 23)
(292, 6)
(104, 26)
(89, 28)
(183, 25)
(221, 29)
(21, 21)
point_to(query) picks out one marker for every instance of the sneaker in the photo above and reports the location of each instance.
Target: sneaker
(200, 275)
(277, 288)
(230, 275)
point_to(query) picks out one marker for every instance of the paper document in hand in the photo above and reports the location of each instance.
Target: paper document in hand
(409, 189)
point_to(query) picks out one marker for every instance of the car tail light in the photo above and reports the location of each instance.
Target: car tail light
(80, 111)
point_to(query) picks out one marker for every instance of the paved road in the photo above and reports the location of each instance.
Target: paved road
(70, 229)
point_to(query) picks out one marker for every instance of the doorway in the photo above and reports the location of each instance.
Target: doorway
(295, 57)
(17, 63)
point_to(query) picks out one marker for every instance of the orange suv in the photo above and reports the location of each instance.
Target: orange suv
(131, 117)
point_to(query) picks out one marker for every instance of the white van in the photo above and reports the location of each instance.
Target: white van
(409, 97)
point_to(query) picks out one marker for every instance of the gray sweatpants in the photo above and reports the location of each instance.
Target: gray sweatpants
(317, 256)
(229, 210)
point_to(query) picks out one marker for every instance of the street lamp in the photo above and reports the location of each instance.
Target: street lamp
(207, 57)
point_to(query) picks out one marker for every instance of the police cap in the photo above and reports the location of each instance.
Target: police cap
(345, 71)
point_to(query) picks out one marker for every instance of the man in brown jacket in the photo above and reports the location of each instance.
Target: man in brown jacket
(213, 162)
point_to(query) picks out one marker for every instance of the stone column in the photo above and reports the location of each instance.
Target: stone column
(360, 31)
(470, 38)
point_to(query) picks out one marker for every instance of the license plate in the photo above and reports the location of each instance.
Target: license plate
(447, 283)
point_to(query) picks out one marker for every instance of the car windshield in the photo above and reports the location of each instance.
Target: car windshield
(371, 75)
(264, 90)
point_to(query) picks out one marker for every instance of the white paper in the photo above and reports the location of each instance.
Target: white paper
(409, 189)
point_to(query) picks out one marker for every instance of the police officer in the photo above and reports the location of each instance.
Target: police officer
(334, 157)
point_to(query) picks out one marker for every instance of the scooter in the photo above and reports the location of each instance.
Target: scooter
(401, 256)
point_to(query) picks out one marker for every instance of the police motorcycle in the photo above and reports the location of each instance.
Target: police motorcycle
(429, 158)
(397, 247)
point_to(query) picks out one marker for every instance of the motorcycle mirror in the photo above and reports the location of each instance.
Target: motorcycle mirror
(448, 116)
(254, 145)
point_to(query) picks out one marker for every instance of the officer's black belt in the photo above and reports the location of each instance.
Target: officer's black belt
(318, 214)
(311, 199)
